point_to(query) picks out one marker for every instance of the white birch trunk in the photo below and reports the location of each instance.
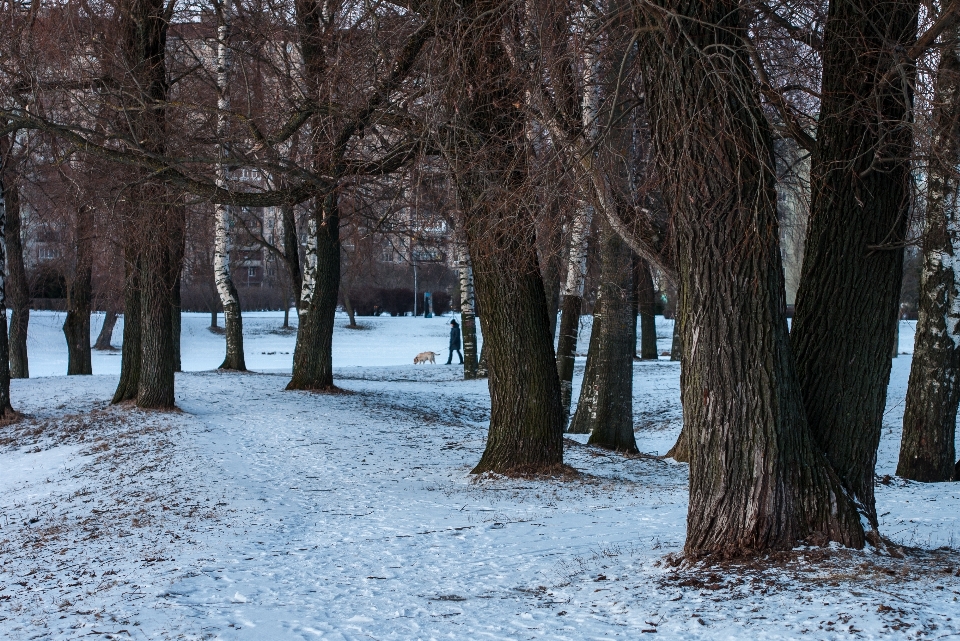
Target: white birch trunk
(233, 322)
(927, 449)
(309, 287)
(468, 321)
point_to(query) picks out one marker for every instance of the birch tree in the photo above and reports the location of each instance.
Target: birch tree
(571, 305)
(468, 321)
(927, 449)
(233, 320)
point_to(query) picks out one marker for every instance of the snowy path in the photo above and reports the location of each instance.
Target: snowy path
(264, 514)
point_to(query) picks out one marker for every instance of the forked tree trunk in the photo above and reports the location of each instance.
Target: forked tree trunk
(610, 418)
(927, 449)
(232, 317)
(756, 480)
(105, 336)
(18, 289)
(488, 157)
(848, 298)
(76, 326)
(646, 301)
(468, 322)
(313, 354)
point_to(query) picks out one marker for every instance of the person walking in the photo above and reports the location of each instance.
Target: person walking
(454, 341)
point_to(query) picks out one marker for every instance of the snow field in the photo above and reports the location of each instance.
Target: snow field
(257, 513)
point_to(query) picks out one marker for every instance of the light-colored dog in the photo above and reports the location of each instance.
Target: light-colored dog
(425, 357)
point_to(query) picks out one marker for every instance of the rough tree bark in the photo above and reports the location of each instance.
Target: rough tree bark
(927, 449)
(229, 299)
(646, 300)
(608, 415)
(848, 298)
(76, 326)
(757, 482)
(488, 157)
(468, 322)
(18, 289)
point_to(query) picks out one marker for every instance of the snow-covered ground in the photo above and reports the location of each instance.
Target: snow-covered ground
(256, 513)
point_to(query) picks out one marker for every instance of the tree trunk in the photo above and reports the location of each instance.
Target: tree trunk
(213, 319)
(572, 305)
(349, 308)
(488, 156)
(609, 415)
(18, 289)
(291, 250)
(680, 452)
(155, 390)
(468, 322)
(583, 418)
(105, 336)
(176, 316)
(548, 237)
(6, 409)
(313, 354)
(927, 449)
(76, 326)
(177, 251)
(232, 317)
(848, 299)
(646, 301)
(572, 300)
(675, 344)
(130, 355)
(142, 25)
(756, 480)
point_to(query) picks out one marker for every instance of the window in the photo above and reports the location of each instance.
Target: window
(251, 272)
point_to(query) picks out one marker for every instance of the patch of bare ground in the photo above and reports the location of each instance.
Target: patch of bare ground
(822, 566)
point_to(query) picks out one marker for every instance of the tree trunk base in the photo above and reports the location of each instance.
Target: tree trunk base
(547, 471)
(320, 388)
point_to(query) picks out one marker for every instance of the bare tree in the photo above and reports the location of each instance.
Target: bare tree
(927, 450)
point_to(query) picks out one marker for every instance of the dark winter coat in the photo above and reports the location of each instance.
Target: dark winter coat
(455, 337)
